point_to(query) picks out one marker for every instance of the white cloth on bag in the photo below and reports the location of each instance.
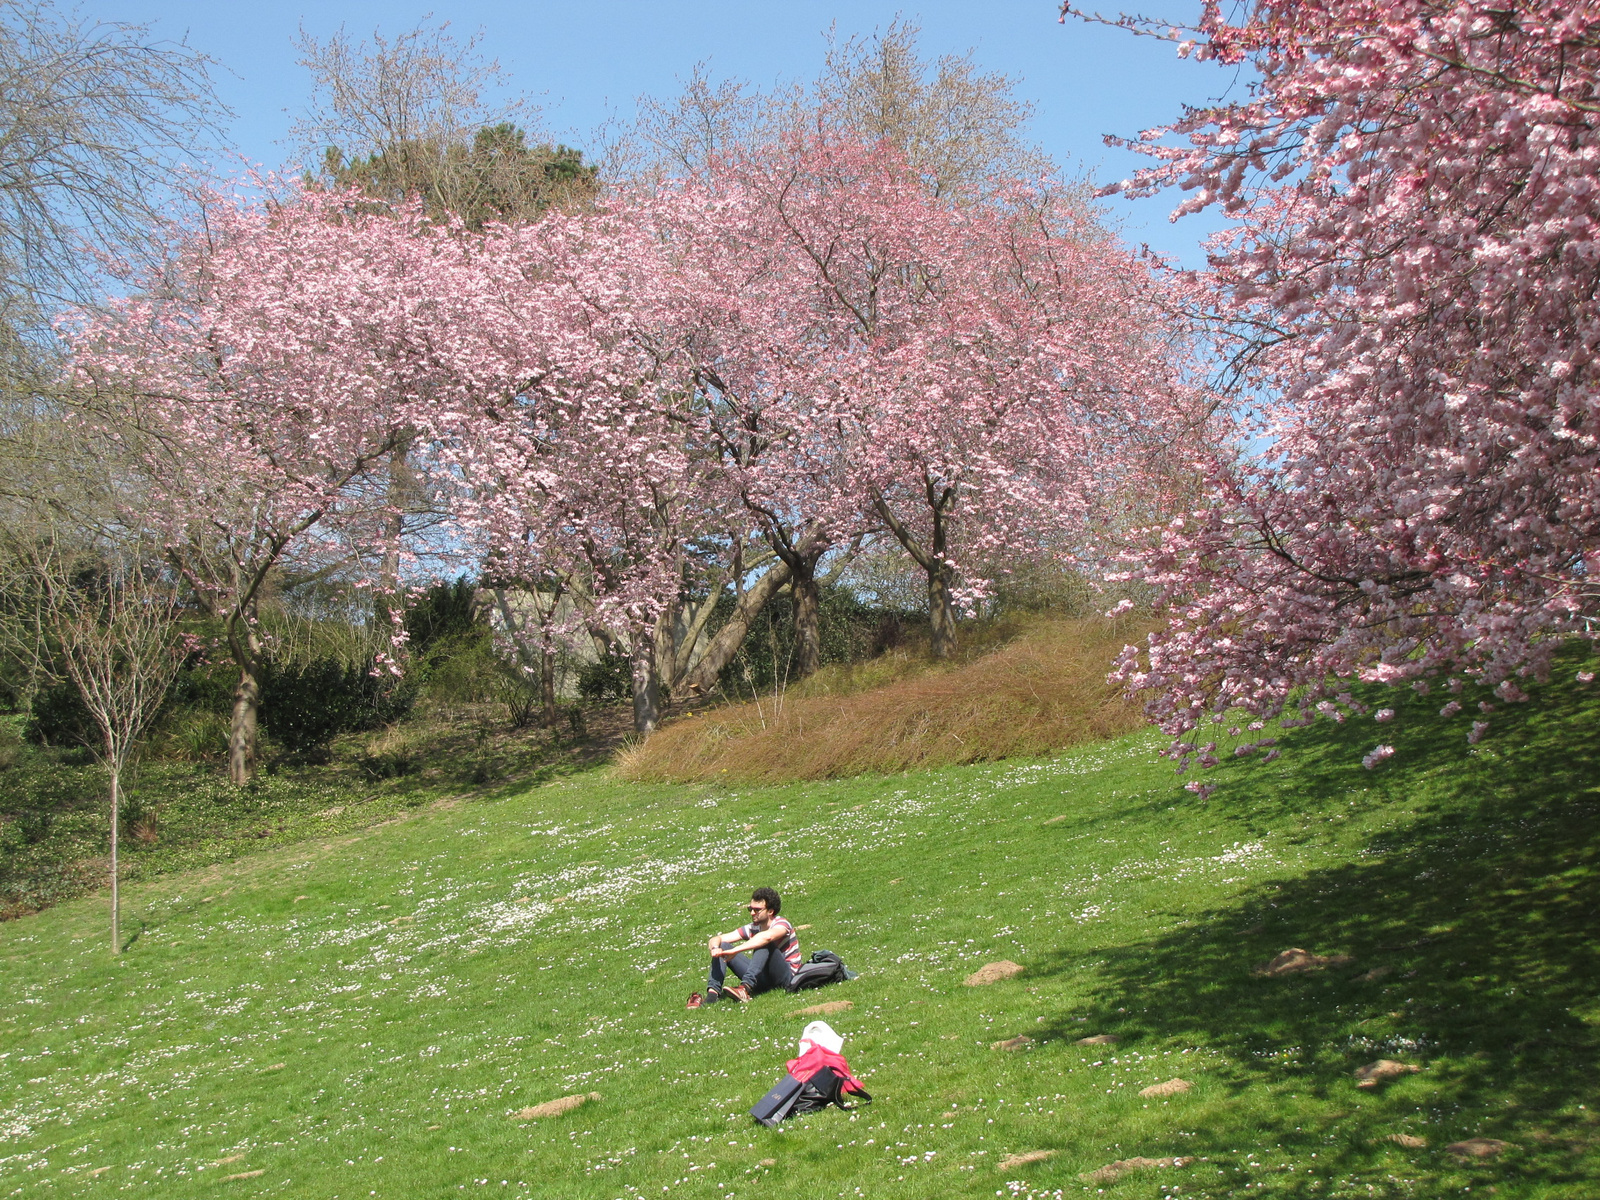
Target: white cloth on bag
(820, 1033)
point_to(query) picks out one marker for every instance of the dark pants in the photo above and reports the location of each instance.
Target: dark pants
(759, 970)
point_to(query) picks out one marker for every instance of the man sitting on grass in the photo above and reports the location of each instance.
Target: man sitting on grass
(763, 954)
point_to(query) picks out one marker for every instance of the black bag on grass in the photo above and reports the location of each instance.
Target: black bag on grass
(824, 968)
(789, 1097)
(776, 1104)
(822, 1089)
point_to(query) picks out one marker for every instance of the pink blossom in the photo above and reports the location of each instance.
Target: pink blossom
(1376, 755)
(1409, 275)
(1479, 728)
(1383, 714)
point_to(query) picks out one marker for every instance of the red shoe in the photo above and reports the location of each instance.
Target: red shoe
(694, 1000)
(738, 992)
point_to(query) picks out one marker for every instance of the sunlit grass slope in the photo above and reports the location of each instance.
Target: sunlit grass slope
(1043, 689)
(364, 1016)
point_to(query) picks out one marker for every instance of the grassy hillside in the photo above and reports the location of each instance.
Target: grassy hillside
(1028, 689)
(363, 1015)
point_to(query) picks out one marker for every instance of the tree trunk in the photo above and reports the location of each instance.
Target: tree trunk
(941, 612)
(931, 558)
(646, 685)
(242, 735)
(116, 899)
(547, 685)
(246, 708)
(400, 490)
(703, 677)
(807, 620)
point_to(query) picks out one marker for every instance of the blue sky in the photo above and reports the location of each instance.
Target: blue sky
(587, 61)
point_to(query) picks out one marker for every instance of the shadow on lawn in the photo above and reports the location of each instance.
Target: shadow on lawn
(1480, 916)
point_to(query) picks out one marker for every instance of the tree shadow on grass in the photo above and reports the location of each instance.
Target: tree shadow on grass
(1476, 955)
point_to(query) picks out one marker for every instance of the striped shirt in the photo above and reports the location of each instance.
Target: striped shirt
(789, 943)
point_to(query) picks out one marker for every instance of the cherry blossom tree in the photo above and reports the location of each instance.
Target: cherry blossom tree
(976, 376)
(1407, 297)
(591, 473)
(261, 386)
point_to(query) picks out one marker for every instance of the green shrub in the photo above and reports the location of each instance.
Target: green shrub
(462, 669)
(443, 611)
(58, 718)
(10, 744)
(195, 735)
(522, 696)
(305, 706)
(205, 686)
(606, 682)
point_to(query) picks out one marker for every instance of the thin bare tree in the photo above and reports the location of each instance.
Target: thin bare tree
(425, 114)
(97, 118)
(100, 124)
(961, 127)
(105, 618)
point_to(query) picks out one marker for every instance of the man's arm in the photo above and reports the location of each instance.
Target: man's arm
(717, 941)
(772, 933)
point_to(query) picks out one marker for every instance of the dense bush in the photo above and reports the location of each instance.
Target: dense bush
(304, 706)
(607, 681)
(200, 693)
(204, 686)
(444, 611)
(59, 718)
(193, 735)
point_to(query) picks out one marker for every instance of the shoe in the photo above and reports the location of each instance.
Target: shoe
(738, 992)
(694, 1000)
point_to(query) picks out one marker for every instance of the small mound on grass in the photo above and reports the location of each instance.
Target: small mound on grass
(1043, 691)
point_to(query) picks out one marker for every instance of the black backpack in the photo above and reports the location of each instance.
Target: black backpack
(791, 1098)
(824, 968)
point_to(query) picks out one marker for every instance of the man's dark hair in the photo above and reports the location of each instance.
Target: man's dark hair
(768, 897)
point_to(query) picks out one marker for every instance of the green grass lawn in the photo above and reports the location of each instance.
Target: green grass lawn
(362, 1015)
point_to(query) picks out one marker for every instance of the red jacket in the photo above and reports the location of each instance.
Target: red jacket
(817, 1057)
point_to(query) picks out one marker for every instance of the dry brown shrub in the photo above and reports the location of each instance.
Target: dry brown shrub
(1042, 691)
